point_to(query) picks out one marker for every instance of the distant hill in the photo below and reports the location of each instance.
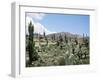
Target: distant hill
(63, 34)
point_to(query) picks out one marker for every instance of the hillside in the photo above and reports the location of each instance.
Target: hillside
(63, 34)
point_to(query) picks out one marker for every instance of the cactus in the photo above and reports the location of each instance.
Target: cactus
(60, 41)
(73, 49)
(76, 41)
(33, 55)
(66, 39)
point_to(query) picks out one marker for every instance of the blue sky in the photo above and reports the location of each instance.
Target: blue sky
(77, 24)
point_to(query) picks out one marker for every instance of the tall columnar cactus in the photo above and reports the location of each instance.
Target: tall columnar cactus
(60, 41)
(83, 37)
(45, 38)
(66, 39)
(31, 45)
(73, 49)
(86, 40)
(70, 39)
(57, 43)
(46, 41)
(44, 34)
(54, 37)
(60, 38)
(76, 40)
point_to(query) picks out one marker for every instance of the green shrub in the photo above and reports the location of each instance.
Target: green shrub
(61, 60)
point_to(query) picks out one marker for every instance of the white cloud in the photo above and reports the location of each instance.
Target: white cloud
(38, 28)
(36, 16)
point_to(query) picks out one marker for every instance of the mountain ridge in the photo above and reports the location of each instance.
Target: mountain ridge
(63, 34)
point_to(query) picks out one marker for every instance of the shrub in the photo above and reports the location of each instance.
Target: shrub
(61, 60)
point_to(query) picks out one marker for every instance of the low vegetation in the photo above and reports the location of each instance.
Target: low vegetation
(56, 50)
